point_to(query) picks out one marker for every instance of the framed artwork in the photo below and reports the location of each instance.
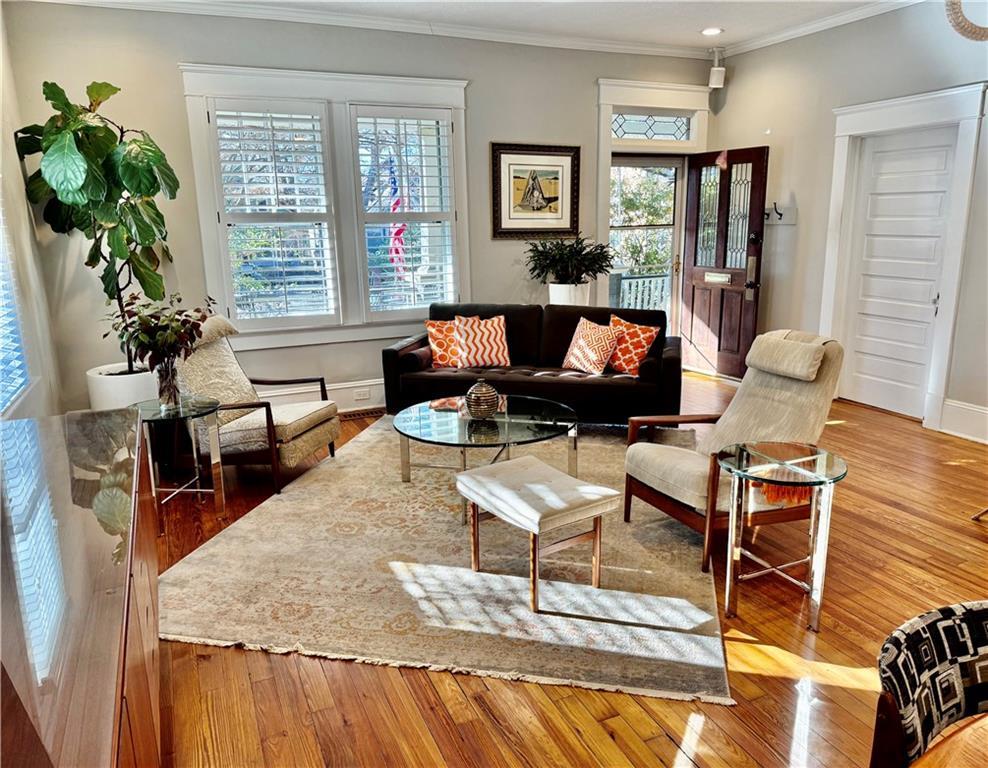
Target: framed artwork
(535, 191)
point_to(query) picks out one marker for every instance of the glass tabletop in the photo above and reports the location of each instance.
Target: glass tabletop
(518, 420)
(187, 408)
(792, 464)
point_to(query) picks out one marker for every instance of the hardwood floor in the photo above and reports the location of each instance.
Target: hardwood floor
(901, 543)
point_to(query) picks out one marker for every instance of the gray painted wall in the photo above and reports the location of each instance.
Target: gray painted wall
(516, 93)
(791, 90)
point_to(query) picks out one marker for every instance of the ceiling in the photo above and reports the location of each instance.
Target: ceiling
(664, 27)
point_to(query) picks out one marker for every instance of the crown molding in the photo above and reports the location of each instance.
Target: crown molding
(812, 27)
(274, 11)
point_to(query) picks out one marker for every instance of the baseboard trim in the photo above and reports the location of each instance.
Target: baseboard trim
(343, 393)
(965, 420)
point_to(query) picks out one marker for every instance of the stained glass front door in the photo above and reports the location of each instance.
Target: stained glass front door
(725, 202)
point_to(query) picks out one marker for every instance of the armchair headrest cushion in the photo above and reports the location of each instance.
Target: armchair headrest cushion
(215, 328)
(772, 353)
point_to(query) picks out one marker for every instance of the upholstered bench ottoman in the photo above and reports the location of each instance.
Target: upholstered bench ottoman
(530, 494)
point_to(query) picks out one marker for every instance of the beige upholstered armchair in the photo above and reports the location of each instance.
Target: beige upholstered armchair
(785, 396)
(252, 430)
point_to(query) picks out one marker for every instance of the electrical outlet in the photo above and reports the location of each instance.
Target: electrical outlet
(361, 394)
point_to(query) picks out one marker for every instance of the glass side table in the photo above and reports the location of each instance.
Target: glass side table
(781, 474)
(188, 409)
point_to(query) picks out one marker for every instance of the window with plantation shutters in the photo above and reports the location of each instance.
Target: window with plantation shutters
(405, 208)
(328, 201)
(276, 214)
(14, 376)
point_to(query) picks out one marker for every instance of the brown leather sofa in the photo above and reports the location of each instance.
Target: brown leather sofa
(538, 338)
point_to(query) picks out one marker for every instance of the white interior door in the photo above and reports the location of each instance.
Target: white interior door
(900, 220)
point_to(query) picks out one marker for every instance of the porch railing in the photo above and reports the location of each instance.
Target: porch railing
(639, 291)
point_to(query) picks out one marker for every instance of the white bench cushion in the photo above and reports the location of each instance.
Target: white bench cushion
(532, 495)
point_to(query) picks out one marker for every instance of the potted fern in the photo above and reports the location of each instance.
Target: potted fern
(568, 267)
(101, 178)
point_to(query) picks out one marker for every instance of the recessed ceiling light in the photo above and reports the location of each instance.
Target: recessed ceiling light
(711, 31)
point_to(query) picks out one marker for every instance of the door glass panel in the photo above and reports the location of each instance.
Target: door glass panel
(738, 212)
(643, 202)
(706, 234)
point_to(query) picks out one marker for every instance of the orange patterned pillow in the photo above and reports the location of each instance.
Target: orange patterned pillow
(442, 341)
(481, 343)
(591, 347)
(633, 345)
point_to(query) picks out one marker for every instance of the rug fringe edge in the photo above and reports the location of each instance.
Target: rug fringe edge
(512, 676)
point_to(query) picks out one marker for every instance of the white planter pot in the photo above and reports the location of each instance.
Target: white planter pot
(107, 391)
(565, 293)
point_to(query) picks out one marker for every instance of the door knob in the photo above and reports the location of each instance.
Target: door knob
(751, 285)
(755, 238)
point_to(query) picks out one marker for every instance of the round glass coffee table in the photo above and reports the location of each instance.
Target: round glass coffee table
(519, 420)
(781, 474)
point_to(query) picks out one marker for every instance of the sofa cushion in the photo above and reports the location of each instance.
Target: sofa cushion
(442, 343)
(633, 345)
(591, 347)
(522, 325)
(481, 342)
(561, 320)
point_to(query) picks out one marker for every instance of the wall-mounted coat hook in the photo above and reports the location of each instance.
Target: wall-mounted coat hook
(784, 214)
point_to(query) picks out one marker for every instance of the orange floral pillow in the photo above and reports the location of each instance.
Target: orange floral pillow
(591, 347)
(633, 345)
(442, 341)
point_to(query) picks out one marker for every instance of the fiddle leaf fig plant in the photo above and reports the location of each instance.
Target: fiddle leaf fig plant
(102, 179)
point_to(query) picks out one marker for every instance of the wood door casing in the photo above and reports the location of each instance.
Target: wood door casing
(725, 203)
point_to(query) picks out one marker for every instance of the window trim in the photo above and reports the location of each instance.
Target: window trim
(206, 82)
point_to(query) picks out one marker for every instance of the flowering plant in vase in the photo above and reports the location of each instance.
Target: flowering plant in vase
(158, 334)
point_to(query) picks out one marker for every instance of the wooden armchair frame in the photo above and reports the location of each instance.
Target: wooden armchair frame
(269, 455)
(713, 523)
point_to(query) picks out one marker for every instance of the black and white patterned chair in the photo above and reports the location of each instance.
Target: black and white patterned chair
(934, 672)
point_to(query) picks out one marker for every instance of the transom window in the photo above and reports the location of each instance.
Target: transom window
(626, 125)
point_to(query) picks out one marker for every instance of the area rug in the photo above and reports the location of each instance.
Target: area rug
(348, 562)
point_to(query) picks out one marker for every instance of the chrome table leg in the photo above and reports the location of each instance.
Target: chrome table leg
(735, 533)
(219, 496)
(572, 446)
(153, 473)
(406, 460)
(820, 537)
(463, 500)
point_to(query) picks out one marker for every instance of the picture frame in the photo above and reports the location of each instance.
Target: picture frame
(535, 191)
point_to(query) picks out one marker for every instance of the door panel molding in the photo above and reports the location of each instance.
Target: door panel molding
(963, 107)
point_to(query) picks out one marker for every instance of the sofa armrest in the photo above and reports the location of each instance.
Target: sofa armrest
(393, 365)
(671, 375)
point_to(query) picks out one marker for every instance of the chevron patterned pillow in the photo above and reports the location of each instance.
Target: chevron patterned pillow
(591, 347)
(481, 343)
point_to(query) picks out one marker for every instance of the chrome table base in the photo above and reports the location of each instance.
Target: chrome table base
(819, 539)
